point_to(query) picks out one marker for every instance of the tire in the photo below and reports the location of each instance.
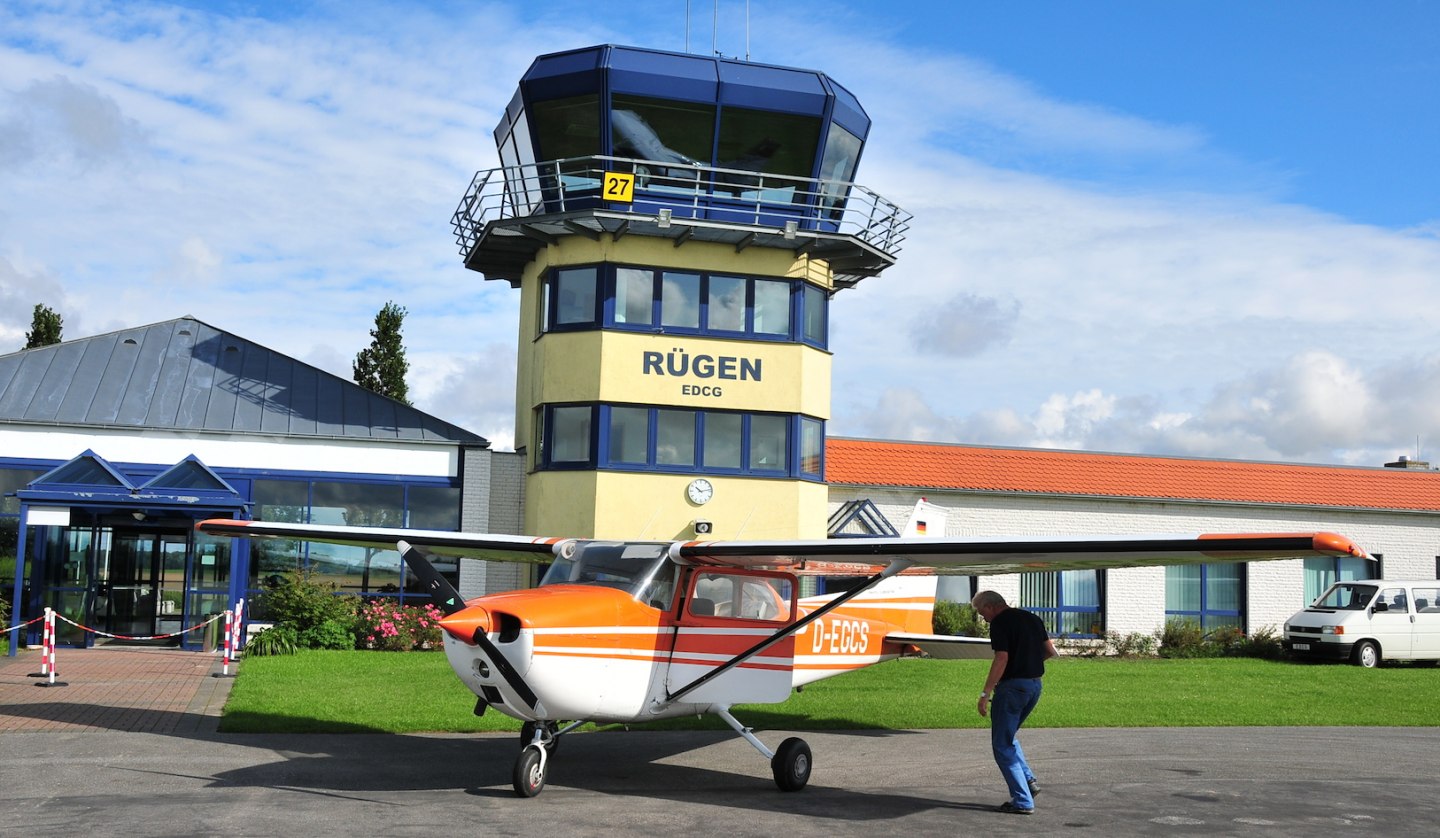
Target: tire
(1366, 654)
(791, 765)
(529, 778)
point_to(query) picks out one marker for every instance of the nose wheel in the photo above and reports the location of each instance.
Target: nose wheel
(539, 741)
(530, 770)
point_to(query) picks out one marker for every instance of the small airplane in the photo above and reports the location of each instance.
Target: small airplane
(628, 632)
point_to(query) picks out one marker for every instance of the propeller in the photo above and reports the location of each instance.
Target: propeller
(447, 599)
(442, 593)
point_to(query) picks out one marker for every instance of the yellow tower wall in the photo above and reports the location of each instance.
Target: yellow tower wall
(621, 367)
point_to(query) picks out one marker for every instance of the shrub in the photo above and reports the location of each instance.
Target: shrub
(960, 619)
(1264, 642)
(388, 626)
(1132, 645)
(276, 640)
(303, 602)
(1182, 638)
(328, 635)
(4, 612)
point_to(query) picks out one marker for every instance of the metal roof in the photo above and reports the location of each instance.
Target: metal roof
(187, 375)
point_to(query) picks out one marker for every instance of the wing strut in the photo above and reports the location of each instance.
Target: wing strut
(896, 565)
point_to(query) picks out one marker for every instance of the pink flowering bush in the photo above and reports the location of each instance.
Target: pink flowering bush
(388, 626)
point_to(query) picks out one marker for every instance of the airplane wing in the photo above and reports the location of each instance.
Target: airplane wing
(992, 556)
(497, 548)
(969, 556)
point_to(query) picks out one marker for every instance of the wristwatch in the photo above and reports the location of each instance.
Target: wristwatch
(984, 695)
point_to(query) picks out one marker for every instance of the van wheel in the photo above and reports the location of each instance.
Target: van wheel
(1366, 654)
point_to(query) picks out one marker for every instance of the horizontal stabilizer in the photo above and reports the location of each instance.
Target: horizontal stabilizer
(945, 646)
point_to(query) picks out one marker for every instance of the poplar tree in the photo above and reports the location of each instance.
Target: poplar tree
(45, 327)
(381, 366)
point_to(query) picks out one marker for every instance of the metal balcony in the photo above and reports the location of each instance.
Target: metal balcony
(509, 213)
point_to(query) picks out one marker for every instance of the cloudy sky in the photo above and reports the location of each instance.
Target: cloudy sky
(1197, 228)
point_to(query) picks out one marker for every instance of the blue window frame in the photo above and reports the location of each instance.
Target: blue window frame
(638, 298)
(672, 439)
(432, 504)
(1212, 595)
(1067, 600)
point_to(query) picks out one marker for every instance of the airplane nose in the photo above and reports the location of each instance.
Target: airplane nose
(464, 623)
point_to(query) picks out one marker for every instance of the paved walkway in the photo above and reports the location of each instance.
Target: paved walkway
(114, 688)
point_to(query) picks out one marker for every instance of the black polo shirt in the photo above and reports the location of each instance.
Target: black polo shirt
(1023, 636)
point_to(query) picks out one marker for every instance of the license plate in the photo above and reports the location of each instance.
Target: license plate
(1304, 647)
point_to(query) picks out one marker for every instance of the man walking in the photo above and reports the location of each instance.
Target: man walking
(1012, 689)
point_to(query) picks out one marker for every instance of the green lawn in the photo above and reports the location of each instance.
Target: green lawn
(405, 692)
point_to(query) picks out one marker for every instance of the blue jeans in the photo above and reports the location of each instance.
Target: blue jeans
(1009, 707)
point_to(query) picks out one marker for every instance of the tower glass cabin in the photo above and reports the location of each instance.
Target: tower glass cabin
(676, 225)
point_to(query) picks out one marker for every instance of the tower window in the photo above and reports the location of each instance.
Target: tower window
(638, 298)
(644, 438)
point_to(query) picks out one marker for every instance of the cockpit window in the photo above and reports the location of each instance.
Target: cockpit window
(749, 597)
(1346, 597)
(643, 570)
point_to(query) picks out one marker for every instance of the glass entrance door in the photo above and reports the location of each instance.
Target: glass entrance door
(131, 573)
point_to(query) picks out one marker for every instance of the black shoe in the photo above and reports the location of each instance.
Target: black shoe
(1034, 787)
(1011, 809)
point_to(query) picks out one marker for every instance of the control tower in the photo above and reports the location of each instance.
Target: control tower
(676, 225)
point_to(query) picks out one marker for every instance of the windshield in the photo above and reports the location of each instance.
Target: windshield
(1346, 597)
(644, 570)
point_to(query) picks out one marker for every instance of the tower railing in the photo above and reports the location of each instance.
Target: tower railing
(670, 190)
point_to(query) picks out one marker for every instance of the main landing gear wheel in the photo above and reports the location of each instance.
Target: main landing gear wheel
(530, 770)
(791, 764)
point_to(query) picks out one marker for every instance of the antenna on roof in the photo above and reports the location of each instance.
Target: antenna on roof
(687, 26)
(747, 30)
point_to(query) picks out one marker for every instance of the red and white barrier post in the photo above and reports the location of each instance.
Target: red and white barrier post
(47, 631)
(47, 651)
(239, 630)
(229, 635)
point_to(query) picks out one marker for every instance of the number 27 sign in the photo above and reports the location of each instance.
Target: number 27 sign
(620, 186)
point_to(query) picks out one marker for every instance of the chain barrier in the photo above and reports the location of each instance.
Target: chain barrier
(100, 633)
(47, 647)
(19, 626)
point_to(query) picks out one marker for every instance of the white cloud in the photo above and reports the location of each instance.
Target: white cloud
(57, 119)
(476, 391)
(283, 179)
(22, 288)
(965, 325)
(1311, 406)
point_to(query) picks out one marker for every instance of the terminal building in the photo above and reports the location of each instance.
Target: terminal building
(677, 227)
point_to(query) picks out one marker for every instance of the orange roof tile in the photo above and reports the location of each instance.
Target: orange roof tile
(865, 462)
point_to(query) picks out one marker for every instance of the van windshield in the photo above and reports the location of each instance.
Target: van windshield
(1345, 597)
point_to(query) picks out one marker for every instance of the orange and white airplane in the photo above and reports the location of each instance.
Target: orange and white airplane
(628, 632)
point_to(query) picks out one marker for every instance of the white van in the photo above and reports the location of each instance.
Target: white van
(1365, 621)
